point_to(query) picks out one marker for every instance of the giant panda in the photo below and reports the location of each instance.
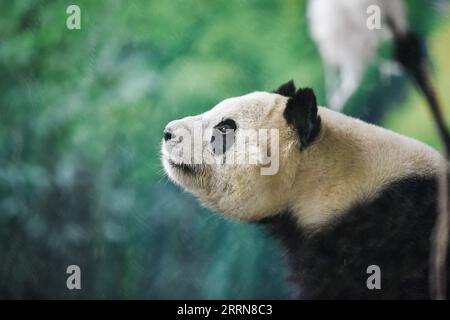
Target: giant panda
(347, 195)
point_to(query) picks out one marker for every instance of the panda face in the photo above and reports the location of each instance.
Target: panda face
(224, 155)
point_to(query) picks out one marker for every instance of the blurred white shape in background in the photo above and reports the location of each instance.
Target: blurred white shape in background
(347, 45)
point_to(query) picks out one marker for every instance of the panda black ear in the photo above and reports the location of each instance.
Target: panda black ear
(287, 89)
(301, 113)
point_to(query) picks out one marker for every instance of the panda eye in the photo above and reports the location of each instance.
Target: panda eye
(223, 136)
(226, 125)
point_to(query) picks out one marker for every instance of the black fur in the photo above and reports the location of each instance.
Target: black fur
(392, 231)
(410, 51)
(301, 113)
(221, 141)
(287, 89)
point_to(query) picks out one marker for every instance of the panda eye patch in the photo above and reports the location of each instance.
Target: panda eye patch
(226, 125)
(223, 136)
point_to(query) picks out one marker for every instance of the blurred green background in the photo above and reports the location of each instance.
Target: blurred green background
(81, 119)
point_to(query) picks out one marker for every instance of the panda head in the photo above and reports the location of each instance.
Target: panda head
(241, 157)
(261, 154)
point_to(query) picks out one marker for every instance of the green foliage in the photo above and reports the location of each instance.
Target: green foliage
(412, 117)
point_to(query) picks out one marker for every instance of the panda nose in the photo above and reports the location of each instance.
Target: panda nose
(168, 135)
(174, 132)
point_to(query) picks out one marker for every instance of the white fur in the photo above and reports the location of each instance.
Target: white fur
(347, 46)
(350, 161)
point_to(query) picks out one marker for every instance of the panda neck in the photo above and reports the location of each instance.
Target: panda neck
(350, 162)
